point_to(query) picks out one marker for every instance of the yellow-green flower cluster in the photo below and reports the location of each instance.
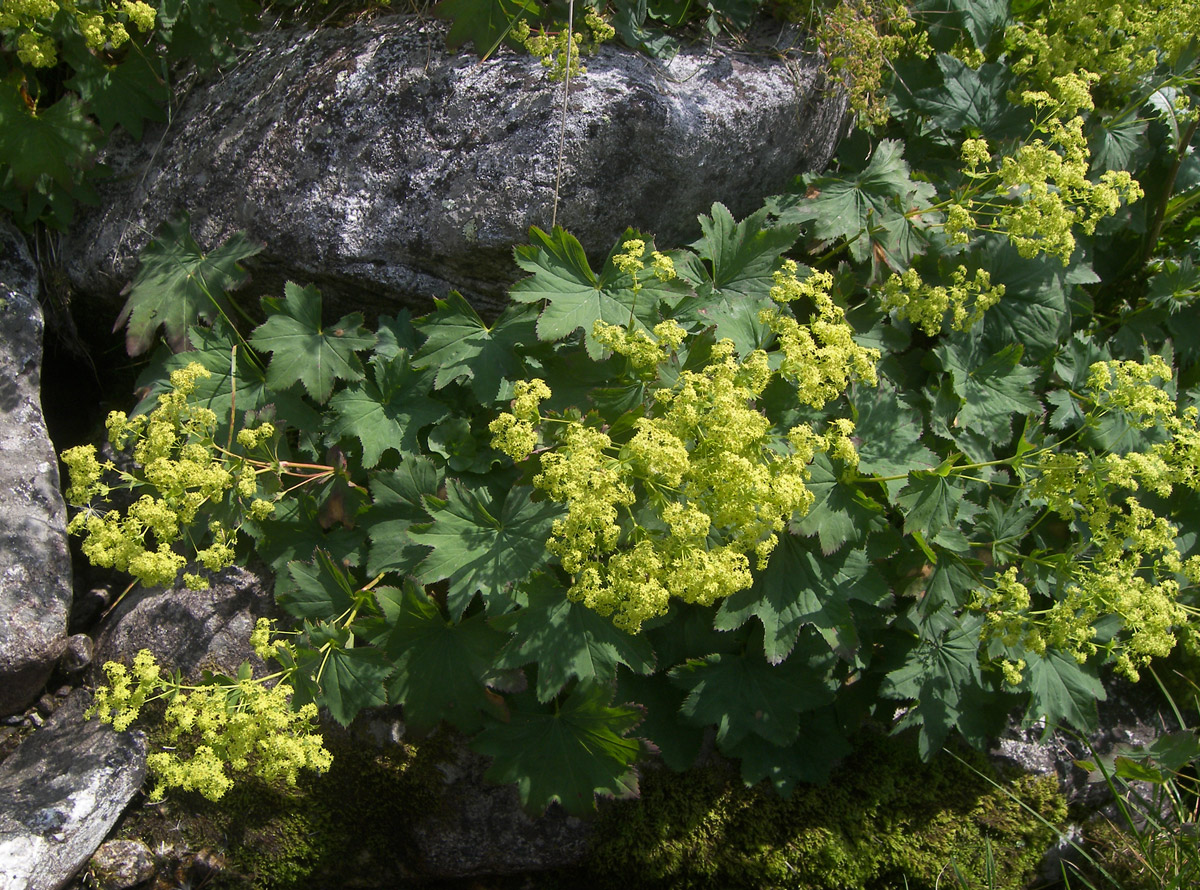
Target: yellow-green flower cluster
(678, 509)
(102, 25)
(1120, 39)
(1046, 193)
(1134, 565)
(239, 726)
(513, 432)
(632, 261)
(121, 701)
(645, 353)
(182, 470)
(820, 356)
(927, 305)
(861, 38)
(554, 48)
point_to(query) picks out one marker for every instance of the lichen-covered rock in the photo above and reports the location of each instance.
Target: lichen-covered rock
(61, 792)
(121, 864)
(35, 567)
(192, 630)
(372, 162)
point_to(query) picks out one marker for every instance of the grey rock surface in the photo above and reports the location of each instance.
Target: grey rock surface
(192, 630)
(60, 793)
(121, 864)
(35, 567)
(374, 163)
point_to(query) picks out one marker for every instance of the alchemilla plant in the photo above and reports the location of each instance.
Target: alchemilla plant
(915, 444)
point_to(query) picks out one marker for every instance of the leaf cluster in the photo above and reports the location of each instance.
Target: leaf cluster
(1017, 513)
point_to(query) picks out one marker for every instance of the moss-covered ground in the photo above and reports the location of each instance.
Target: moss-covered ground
(885, 821)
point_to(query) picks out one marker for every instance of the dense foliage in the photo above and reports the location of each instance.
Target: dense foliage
(945, 470)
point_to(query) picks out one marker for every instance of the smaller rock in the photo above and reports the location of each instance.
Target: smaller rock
(77, 655)
(47, 704)
(121, 864)
(61, 791)
(192, 630)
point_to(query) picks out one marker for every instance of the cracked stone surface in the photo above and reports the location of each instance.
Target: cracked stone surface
(370, 161)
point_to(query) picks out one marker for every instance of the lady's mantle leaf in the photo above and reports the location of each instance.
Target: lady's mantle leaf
(993, 386)
(386, 412)
(322, 589)
(177, 284)
(930, 502)
(799, 588)
(352, 679)
(576, 297)
(462, 347)
(484, 543)
(567, 752)
(440, 665)
(939, 676)
(744, 255)
(881, 202)
(743, 694)
(398, 503)
(57, 141)
(303, 349)
(567, 640)
(1062, 689)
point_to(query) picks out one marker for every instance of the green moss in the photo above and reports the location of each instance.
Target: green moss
(887, 820)
(350, 822)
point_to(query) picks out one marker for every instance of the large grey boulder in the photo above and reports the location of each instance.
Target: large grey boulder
(373, 162)
(60, 793)
(35, 566)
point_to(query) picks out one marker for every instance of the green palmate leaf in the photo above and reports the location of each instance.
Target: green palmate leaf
(296, 532)
(385, 412)
(57, 142)
(969, 99)
(567, 640)
(398, 503)
(236, 385)
(441, 666)
(1116, 142)
(938, 676)
(460, 346)
(743, 255)
(322, 589)
(483, 542)
(485, 23)
(983, 19)
(930, 502)
(178, 284)
(810, 759)
(801, 588)
(128, 93)
(569, 752)
(840, 512)
(352, 679)
(743, 694)
(678, 742)
(1061, 690)
(993, 387)
(889, 431)
(940, 595)
(876, 208)
(576, 296)
(1033, 310)
(304, 350)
